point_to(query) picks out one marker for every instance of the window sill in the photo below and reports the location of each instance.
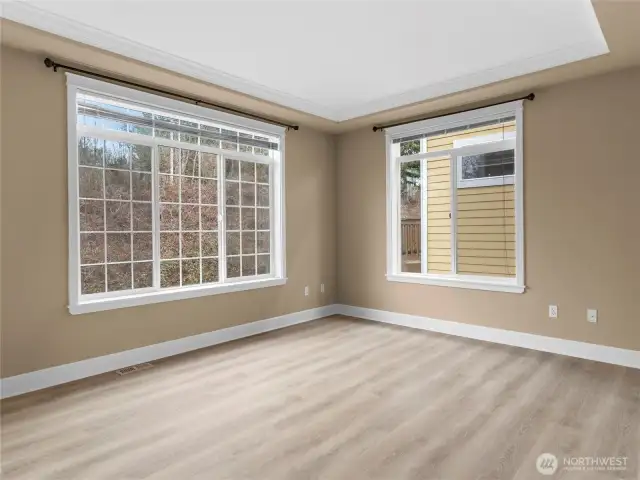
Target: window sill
(170, 295)
(475, 283)
(486, 181)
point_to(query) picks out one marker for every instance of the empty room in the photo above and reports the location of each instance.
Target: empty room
(329, 240)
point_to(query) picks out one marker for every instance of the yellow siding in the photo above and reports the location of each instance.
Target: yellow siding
(499, 261)
(439, 267)
(483, 190)
(486, 243)
(485, 270)
(485, 197)
(486, 226)
(485, 213)
(438, 221)
(485, 229)
(495, 205)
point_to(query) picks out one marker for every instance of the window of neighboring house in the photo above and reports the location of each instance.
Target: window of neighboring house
(493, 168)
(455, 200)
(168, 200)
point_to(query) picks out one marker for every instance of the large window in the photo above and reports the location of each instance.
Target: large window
(455, 200)
(168, 200)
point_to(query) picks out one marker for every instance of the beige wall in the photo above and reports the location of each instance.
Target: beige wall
(37, 330)
(582, 221)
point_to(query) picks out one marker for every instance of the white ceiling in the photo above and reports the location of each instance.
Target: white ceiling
(334, 59)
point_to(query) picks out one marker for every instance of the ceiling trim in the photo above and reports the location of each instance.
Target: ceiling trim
(555, 58)
(27, 14)
(529, 65)
(22, 12)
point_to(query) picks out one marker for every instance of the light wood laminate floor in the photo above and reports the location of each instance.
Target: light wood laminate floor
(334, 399)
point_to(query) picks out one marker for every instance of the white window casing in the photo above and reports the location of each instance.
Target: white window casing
(274, 162)
(461, 147)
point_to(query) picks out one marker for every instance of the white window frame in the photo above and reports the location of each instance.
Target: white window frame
(79, 303)
(479, 282)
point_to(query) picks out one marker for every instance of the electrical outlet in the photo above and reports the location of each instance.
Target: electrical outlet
(322, 288)
(553, 311)
(306, 291)
(592, 316)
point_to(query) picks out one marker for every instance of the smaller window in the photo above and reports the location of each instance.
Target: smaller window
(486, 169)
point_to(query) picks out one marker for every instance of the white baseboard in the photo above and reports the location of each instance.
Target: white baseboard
(50, 377)
(589, 351)
(29, 382)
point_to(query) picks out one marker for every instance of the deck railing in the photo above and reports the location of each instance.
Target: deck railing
(410, 235)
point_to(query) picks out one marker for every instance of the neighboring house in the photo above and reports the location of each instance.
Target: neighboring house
(485, 207)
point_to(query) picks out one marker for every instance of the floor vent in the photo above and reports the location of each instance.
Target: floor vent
(133, 368)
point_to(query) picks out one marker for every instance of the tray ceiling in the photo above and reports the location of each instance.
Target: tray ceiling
(337, 60)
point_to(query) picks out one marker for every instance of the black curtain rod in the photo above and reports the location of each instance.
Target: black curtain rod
(51, 64)
(531, 96)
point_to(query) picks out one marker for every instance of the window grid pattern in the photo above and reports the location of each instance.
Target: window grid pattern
(188, 203)
(147, 197)
(117, 219)
(116, 215)
(158, 214)
(247, 214)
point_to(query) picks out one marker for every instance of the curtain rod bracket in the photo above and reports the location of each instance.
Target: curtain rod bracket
(51, 64)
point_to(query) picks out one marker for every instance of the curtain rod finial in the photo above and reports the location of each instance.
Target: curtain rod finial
(531, 96)
(50, 63)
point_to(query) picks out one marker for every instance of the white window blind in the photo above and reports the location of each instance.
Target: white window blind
(112, 114)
